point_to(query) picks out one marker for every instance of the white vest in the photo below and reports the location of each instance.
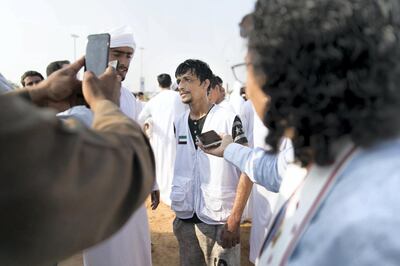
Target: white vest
(203, 184)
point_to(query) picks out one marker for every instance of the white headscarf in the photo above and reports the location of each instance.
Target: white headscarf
(122, 36)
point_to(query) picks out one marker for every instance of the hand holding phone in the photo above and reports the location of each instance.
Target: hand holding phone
(209, 139)
(220, 149)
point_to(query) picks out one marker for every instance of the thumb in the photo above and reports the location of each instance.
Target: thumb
(109, 70)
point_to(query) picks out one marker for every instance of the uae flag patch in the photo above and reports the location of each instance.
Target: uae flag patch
(182, 139)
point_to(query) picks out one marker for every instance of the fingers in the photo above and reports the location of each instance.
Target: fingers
(155, 199)
(226, 238)
(200, 145)
(77, 65)
(89, 77)
(154, 205)
(226, 138)
(229, 239)
(111, 72)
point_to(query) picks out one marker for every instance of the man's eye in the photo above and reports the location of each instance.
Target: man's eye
(178, 81)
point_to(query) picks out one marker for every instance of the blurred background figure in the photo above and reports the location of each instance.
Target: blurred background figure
(56, 65)
(159, 114)
(30, 78)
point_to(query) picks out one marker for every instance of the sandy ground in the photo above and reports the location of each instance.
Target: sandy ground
(164, 244)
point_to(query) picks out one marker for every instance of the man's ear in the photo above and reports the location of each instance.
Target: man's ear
(206, 84)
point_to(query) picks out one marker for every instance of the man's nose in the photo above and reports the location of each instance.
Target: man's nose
(124, 60)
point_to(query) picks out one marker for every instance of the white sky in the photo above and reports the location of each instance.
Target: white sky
(34, 33)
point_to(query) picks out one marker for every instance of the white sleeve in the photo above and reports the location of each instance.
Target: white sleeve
(144, 114)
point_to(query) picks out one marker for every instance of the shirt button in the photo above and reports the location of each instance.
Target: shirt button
(195, 131)
(195, 123)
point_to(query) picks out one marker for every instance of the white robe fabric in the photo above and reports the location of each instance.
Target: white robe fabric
(161, 112)
(264, 201)
(131, 245)
(225, 104)
(247, 117)
(129, 104)
(4, 85)
(235, 99)
(80, 112)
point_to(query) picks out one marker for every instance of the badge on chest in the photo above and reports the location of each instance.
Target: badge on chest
(182, 139)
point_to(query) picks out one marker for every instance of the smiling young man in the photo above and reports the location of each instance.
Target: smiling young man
(208, 194)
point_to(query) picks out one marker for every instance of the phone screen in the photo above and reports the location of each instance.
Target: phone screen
(210, 139)
(97, 49)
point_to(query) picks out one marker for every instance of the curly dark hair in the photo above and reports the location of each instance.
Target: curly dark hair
(332, 70)
(197, 67)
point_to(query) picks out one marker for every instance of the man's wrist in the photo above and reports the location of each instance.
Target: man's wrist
(233, 222)
(98, 102)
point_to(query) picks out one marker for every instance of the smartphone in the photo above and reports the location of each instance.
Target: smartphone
(97, 49)
(209, 139)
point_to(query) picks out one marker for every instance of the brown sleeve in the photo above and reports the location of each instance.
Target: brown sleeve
(66, 188)
(23, 93)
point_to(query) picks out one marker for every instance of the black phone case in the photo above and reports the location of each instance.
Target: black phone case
(210, 139)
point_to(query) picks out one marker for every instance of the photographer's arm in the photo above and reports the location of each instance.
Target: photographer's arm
(261, 167)
(73, 186)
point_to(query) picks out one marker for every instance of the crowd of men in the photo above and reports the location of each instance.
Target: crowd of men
(79, 157)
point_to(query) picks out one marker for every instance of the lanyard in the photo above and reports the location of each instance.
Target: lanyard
(295, 214)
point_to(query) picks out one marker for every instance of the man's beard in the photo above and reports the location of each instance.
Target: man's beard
(122, 71)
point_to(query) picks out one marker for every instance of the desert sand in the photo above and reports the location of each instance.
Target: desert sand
(164, 245)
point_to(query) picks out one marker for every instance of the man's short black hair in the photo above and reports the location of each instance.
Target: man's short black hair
(216, 80)
(332, 70)
(30, 73)
(56, 65)
(164, 80)
(197, 67)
